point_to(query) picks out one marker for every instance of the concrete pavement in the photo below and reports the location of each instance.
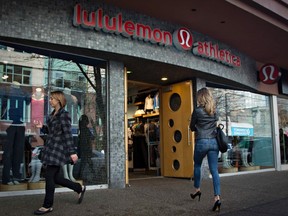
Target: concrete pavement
(263, 193)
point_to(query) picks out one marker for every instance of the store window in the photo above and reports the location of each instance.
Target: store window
(246, 118)
(26, 81)
(283, 128)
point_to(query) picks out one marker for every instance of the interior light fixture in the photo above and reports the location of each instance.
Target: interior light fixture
(164, 78)
(129, 72)
(5, 62)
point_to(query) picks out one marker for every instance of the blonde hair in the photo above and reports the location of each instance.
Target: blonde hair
(205, 99)
(59, 95)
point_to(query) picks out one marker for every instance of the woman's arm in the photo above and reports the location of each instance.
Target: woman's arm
(193, 120)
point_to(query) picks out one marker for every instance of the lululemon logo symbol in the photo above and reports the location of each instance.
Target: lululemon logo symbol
(183, 39)
(269, 74)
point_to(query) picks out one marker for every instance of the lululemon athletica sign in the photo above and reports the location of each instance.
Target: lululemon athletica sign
(182, 38)
(269, 74)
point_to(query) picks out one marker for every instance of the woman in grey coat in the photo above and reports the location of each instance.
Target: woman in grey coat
(58, 150)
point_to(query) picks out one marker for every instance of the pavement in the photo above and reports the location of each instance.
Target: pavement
(257, 194)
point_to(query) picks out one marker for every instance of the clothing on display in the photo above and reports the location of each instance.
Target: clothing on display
(13, 153)
(156, 104)
(149, 101)
(35, 165)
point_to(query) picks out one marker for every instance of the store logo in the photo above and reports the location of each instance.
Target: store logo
(97, 20)
(183, 39)
(269, 74)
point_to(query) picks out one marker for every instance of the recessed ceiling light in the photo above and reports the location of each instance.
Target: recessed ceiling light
(164, 78)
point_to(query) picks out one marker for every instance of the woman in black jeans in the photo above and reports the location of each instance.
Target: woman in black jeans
(58, 150)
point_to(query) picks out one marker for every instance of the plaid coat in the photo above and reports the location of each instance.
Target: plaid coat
(59, 143)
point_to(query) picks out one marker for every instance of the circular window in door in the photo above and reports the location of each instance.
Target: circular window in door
(177, 136)
(171, 123)
(173, 149)
(176, 164)
(175, 102)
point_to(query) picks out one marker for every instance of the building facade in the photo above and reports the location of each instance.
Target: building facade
(86, 49)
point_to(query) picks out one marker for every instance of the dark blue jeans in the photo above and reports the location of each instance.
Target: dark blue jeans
(210, 148)
(52, 177)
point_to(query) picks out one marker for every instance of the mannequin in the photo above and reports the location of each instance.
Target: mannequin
(156, 102)
(35, 165)
(68, 172)
(148, 108)
(14, 147)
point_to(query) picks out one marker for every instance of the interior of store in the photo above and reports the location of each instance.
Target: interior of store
(143, 130)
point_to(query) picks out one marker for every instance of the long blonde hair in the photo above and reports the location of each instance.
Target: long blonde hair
(205, 99)
(59, 95)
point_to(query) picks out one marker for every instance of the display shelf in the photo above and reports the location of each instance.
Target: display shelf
(16, 187)
(150, 115)
(137, 116)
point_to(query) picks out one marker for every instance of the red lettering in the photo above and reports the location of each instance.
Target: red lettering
(77, 15)
(167, 39)
(99, 13)
(128, 29)
(143, 32)
(88, 22)
(119, 24)
(110, 24)
(157, 35)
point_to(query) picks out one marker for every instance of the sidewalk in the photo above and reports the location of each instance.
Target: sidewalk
(250, 194)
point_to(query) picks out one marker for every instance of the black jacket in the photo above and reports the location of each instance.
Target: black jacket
(203, 124)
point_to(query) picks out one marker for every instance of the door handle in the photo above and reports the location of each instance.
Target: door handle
(189, 140)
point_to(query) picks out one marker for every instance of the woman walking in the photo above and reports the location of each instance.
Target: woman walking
(203, 122)
(58, 150)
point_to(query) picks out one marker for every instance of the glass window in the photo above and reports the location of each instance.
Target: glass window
(26, 82)
(283, 128)
(246, 118)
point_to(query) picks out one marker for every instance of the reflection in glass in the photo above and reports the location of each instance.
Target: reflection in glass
(26, 80)
(283, 128)
(247, 120)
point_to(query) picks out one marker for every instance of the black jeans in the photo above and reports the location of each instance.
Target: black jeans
(13, 152)
(52, 177)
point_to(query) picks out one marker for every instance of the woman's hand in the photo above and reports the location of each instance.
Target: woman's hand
(38, 124)
(74, 158)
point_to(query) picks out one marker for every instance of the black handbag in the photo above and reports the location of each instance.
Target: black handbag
(222, 140)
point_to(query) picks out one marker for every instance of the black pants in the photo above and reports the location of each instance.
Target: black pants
(13, 152)
(52, 177)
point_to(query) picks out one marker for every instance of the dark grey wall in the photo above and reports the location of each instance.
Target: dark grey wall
(116, 126)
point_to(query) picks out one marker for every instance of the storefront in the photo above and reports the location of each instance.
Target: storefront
(137, 122)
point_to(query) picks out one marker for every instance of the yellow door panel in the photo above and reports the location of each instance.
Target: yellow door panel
(177, 139)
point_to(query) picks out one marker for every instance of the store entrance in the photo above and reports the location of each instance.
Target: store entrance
(159, 140)
(143, 130)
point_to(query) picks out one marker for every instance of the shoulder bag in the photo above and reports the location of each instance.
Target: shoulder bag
(221, 139)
